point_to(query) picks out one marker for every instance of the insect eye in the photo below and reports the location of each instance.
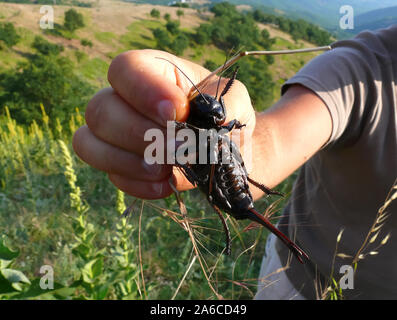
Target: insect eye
(218, 112)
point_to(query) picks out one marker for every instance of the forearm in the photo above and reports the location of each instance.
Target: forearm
(287, 135)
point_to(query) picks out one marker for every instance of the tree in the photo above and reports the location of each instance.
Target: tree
(180, 43)
(155, 13)
(162, 38)
(8, 34)
(179, 13)
(167, 16)
(46, 79)
(173, 27)
(210, 65)
(45, 47)
(203, 33)
(224, 9)
(73, 20)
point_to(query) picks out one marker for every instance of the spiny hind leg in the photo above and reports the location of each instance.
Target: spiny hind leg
(264, 188)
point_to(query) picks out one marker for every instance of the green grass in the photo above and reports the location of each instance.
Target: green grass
(106, 37)
(94, 69)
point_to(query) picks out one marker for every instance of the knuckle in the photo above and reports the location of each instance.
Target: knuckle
(94, 112)
(121, 62)
(77, 140)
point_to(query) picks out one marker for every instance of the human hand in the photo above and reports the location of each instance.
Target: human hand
(146, 92)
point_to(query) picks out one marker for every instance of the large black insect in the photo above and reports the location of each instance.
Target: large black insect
(225, 182)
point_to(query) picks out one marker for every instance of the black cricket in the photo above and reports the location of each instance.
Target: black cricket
(225, 182)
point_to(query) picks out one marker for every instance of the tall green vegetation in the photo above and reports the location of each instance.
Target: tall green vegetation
(64, 214)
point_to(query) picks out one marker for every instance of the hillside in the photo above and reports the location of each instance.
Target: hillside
(323, 13)
(116, 26)
(376, 19)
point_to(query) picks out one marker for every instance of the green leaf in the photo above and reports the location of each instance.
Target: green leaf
(5, 252)
(5, 286)
(35, 291)
(92, 270)
(81, 250)
(4, 263)
(97, 267)
(14, 276)
(102, 292)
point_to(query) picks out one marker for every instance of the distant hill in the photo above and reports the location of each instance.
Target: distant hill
(321, 12)
(376, 19)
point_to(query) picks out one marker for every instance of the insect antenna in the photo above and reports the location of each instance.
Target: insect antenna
(220, 77)
(186, 78)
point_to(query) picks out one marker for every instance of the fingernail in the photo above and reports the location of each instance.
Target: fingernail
(166, 111)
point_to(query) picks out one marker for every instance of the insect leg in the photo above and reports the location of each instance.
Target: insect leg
(233, 124)
(189, 174)
(257, 217)
(184, 125)
(229, 83)
(264, 188)
(212, 171)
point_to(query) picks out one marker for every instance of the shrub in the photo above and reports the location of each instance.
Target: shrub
(155, 13)
(73, 20)
(180, 43)
(86, 43)
(49, 80)
(8, 34)
(173, 27)
(162, 38)
(45, 47)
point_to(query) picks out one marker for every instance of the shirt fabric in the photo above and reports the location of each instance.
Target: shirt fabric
(344, 184)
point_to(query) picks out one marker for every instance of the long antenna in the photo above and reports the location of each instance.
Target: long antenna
(238, 56)
(219, 80)
(186, 78)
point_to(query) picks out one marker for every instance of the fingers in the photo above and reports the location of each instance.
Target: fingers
(108, 158)
(150, 84)
(112, 120)
(142, 189)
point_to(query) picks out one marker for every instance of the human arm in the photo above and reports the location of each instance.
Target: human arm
(288, 134)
